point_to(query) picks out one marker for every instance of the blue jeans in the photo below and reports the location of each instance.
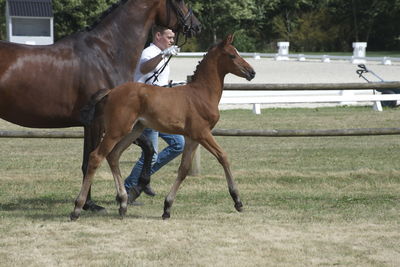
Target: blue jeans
(175, 147)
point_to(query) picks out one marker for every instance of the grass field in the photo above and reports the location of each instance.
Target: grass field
(307, 201)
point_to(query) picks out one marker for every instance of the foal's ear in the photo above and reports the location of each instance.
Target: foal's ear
(228, 40)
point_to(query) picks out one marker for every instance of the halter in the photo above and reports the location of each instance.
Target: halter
(184, 20)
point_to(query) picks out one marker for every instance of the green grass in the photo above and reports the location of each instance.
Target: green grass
(308, 201)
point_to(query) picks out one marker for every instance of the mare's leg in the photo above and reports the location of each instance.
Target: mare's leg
(92, 138)
(113, 162)
(187, 157)
(211, 145)
(95, 159)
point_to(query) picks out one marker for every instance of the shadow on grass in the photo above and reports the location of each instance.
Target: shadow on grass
(35, 203)
(58, 207)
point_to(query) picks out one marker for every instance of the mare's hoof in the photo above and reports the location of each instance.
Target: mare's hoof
(91, 206)
(239, 207)
(166, 216)
(73, 216)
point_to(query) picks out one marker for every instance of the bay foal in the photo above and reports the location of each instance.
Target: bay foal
(190, 110)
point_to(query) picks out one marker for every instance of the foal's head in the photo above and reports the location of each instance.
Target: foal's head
(231, 61)
(175, 15)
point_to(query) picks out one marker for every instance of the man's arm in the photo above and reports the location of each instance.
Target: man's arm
(150, 64)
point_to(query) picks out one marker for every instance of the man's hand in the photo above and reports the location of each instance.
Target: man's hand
(170, 51)
(151, 64)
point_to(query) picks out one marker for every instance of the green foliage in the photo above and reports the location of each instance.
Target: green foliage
(2, 20)
(330, 25)
(312, 33)
(244, 41)
(191, 44)
(222, 17)
(73, 15)
(310, 25)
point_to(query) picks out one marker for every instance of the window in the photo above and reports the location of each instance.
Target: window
(30, 27)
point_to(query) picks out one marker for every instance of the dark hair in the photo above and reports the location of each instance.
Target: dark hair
(157, 28)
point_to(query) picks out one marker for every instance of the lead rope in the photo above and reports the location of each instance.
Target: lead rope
(157, 73)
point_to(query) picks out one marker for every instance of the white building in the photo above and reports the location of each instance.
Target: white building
(30, 22)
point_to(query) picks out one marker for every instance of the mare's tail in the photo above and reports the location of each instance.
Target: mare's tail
(88, 112)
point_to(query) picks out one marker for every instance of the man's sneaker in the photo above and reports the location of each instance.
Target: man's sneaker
(133, 194)
(149, 191)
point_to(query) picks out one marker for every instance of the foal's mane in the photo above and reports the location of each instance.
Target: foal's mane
(105, 13)
(202, 62)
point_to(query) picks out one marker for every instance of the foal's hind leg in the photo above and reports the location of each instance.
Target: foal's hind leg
(95, 159)
(211, 145)
(184, 167)
(113, 162)
(91, 140)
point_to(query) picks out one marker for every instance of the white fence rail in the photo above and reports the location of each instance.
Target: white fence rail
(303, 57)
(308, 99)
(257, 94)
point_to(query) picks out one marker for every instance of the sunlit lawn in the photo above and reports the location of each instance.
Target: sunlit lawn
(308, 201)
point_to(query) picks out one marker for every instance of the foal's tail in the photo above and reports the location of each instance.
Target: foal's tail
(87, 113)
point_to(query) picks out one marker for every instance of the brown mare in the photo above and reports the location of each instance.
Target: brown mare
(190, 110)
(46, 86)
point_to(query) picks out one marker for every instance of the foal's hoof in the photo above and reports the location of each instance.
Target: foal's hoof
(73, 216)
(91, 206)
(239, 207)
(166, 216)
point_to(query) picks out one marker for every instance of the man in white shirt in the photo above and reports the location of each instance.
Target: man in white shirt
(151, 69)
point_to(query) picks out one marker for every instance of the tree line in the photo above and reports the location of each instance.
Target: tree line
(309, 25)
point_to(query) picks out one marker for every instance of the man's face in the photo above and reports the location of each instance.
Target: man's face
(165, 39)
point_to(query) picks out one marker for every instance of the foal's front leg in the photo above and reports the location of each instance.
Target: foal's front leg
(113, 162)
(211, 145)
(184, 167)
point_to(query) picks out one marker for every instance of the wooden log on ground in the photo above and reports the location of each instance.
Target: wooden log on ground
(41, 134)
(225, 132)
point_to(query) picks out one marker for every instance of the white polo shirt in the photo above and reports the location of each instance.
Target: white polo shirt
(147, 54)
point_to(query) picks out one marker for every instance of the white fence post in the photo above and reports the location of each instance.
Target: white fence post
(325, 59)
(359, 53)
(257, 109)
(301, 57)
(386, 61)
(283, 51)
(256, 56)
(377, 106)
